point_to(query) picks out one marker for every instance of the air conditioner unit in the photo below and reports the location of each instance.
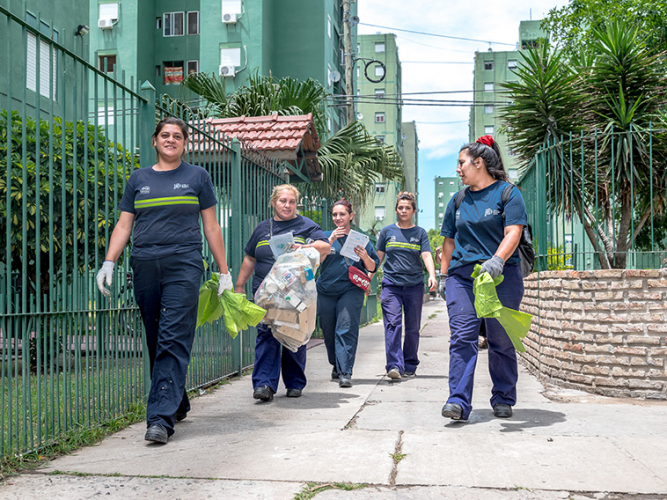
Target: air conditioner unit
(229, 17)
(105, 23)
(227, 70)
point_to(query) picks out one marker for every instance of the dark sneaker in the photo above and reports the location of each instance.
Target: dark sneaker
(344, 381)
(409, 374)
(394, 374)
(157, 434)
(180, 415)
(263, 393)
(293, 393)
(453, 411)
(334, 374)
(502, 410)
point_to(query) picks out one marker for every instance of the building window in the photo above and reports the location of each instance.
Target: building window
(358, 72)
(440, 183)
(488, 87)
(488, 65)
(379, 93)
(512, 64)
(379, 117)
(441, 204)
(379, 71)
(105, 116)
(193, 67)
(440, 195)
(173, 72)
(158, 23)
(230, 56)
(451, 194)
(380, 187)
(193, 22)
(329, 26)
(47, 57)
(158, 71)
(441, 215)
(379, 47)
(380, 213)
(173, 24)
(380, 139)
(109, 11)
(488, 109)
(488, 129)
(107, 63)
(451, 183)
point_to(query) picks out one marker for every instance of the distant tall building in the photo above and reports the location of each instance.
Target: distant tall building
(492, 69)
(381, 116)
(445, 189)
(162, 41)
(411, 160)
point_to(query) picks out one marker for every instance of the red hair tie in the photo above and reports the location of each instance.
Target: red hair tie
(487, 140)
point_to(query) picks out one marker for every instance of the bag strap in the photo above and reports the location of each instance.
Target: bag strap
(458, 199)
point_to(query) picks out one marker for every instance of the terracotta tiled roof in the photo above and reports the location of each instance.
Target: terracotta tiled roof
(271, 133)
(276, 136)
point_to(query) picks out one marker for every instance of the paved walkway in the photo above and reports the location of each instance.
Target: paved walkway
(388, 436)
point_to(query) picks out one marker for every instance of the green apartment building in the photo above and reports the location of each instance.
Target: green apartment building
(491, 70)
(445, 189)
(377, 110)
(33, 77)
(162, 41)
(410, 155)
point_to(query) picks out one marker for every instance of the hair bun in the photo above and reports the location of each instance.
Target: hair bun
(487, 140)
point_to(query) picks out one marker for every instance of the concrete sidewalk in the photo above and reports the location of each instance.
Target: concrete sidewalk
(386, 435)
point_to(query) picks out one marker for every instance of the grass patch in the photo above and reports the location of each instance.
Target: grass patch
(312, 489)
(397, 457)
(431, 316)
(71, 440)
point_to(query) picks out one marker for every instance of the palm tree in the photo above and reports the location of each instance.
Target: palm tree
(352, 160)
(616, 91)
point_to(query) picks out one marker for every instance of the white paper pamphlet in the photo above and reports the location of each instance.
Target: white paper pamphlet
(354, 239)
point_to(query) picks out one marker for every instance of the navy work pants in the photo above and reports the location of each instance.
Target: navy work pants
(339, 320)
(167, 292)
(271, 358)
(396, 301)
(463, 349)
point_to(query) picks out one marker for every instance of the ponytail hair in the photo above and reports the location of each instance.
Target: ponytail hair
(345, 203)
(487, 149)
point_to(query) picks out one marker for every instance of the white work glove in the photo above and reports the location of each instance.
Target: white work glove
(225, 284)
(105, 274)
(493, 266)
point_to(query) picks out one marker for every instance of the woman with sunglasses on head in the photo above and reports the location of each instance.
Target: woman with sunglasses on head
(405, 245)
(271, 358)
(163, 204)
(339, 300)
(487, 231)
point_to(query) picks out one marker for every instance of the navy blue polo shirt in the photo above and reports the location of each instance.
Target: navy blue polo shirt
(258, 245)
(477, 228)
(334, 278)
(403, 249)
(166, 207)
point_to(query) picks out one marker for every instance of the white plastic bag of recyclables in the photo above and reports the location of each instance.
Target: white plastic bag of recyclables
(289, 296)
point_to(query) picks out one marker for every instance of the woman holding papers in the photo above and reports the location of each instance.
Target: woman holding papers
(405, 246)
(483, 230)
(269, 236)
(339, 299)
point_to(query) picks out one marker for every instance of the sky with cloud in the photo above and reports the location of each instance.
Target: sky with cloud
(437, 64)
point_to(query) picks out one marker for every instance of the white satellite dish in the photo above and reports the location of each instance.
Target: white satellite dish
(360, 116)
(334, 76)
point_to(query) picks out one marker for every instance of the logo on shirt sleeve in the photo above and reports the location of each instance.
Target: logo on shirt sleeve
(392, 238)
(178, 185)
(145, 190)
(414, 240)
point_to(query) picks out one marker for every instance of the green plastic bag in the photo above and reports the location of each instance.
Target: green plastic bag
(236, 310)
(487, 305)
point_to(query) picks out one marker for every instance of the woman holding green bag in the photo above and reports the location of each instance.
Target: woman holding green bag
(481, 229)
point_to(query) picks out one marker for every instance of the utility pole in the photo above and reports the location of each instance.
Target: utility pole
(349, 60)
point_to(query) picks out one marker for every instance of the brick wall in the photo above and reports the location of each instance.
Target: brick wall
(600, 331)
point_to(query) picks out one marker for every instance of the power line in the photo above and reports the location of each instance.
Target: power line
(437, 62)
(438, 35)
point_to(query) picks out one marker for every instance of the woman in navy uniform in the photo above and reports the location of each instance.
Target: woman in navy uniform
(483, 230)
(339, 301)
(270, 356)
(405, 246)
(162, 204)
